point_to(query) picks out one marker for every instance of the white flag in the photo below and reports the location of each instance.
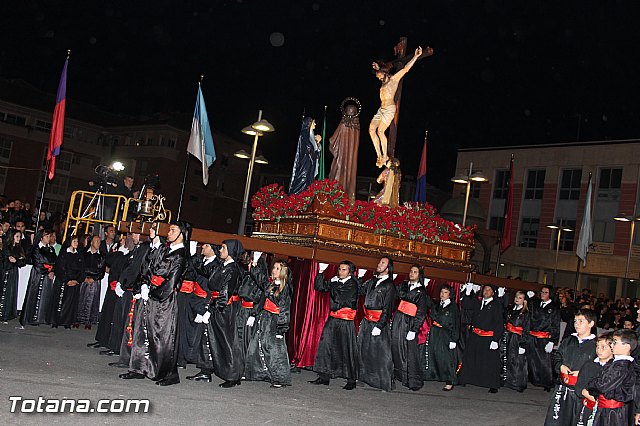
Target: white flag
(585, 238)
(201, 140)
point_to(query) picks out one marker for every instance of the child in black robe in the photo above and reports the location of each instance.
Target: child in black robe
(615, 385)
(574, 351)
(590, 370)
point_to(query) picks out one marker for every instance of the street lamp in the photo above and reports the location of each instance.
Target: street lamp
(633, 219)
(560, 229)
(257, 129)
(467, 178)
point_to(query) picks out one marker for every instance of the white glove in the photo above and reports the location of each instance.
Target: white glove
(144, 292)
(137, 296)
(548, 347)
(322, 266)
(411, 335)
(250, 321)
(119, 291)
(335, 279)
(198, 319)
(376, 331)
(493, 346)
(123, 250)
(205, 317)
(521, 351)
(476, 288)
(500, 291)
(279, 336)
(452, 345)
(530, 294)
(427, 281)
(469, 288)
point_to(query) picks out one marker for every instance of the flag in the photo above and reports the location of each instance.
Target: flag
(57, 126)
(201, 140)
(421, 185)
(585, 239)
(505, 241)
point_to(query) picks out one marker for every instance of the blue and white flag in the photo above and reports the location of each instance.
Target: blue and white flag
(585, 238)
(201, 140)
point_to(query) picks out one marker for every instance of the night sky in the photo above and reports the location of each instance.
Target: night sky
(503, 72)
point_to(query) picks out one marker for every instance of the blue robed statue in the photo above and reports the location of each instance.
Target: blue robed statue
(305, 165)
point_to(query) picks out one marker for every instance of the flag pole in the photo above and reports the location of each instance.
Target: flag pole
(506, 206)
(44, 185)
(577, 278)
(324, 131)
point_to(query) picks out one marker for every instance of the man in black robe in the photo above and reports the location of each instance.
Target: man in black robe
(210, 264)
(374, 336)
(153, 353)
(224, 343)
(544, 334)
(337, 354)
(481, 359)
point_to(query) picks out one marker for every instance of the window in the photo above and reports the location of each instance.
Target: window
(529, 232)
(69, 132)
(570, 184)
(501, 186)
(474, 190)
(43, 126)
(496, 223)
(172, 142)
(566, 238)
(64, 161)
(3, 177)
(604, 231)
(535, 185)
(5, 149)
(13, 119)
(609, 184)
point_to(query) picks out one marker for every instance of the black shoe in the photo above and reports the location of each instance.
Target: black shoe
(230, 384)
(200, 377)
(91, 345)
(54, 326)
(349, 386)
(118, 364)
(108, 352)
(319, 381)
(493, 390)
(172, 380)
(131, 375)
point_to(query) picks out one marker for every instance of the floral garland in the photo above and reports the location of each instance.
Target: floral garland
(413, 220)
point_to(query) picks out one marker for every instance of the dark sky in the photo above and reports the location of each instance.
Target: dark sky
(503, 73)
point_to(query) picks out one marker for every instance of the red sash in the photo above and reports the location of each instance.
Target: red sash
(246, 304)
(372, 315)
(568, 379)
(609, 403)
(113, 285)
(540, 334)
(514, 329)
(215, 295)
(48, 267)
(483, 333)
(408, 308)
(198, 291)
(588, 403)
(344, 314)
(269, 306)
(157, 280)
(187, 286)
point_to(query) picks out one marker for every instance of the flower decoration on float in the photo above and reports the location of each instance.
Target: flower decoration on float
(412, 220)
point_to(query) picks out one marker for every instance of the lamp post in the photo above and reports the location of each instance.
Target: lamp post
(257, 129)
(633, 219)
(467, 178)
(560, 229)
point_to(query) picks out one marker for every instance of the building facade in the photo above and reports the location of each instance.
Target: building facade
(550, 187)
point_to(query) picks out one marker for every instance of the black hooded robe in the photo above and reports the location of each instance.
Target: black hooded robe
(111, 313)
(616, 382)
(69, 267)
(547, 321)
(376, 361)
(9, 285)
(37, 301)
(306, 160)
(154, 349)
(442, 362)
(89, 299)
(405, 353)
(517, 323)
(337, 354)
(251, 300)
(204, 359)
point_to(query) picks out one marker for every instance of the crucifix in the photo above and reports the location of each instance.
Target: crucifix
(390, 94)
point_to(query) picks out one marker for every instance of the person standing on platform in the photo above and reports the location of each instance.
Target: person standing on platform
(374, 336)
(574, 351)
(481, 359)
(37, 300)
(545, 333)
(517, 325)
(442, 355)
(153, 353)
(337, 354)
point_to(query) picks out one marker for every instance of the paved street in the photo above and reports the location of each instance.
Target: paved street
(55, 363)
